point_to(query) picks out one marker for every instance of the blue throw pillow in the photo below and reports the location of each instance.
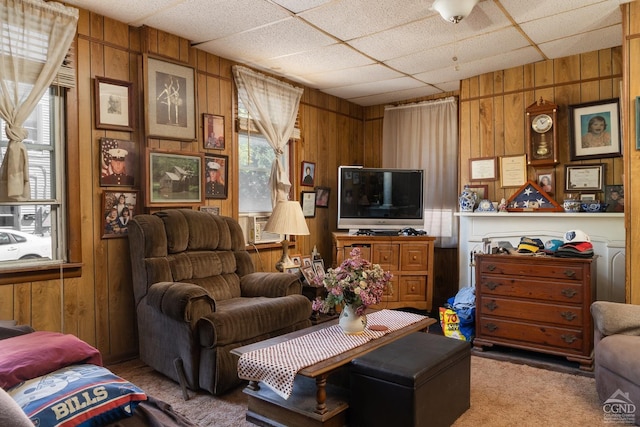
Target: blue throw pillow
(77, 395)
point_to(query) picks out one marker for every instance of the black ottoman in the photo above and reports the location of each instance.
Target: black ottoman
(419, 380)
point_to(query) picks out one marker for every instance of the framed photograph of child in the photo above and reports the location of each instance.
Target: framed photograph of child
(308, 175)
(594, 130)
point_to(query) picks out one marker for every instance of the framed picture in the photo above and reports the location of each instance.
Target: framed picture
(482, 168)
(318, 268)
(584, 177)
(213, 210)
(513, 170)
(306, 261)
(118, 160)
(482, 191)
(173, 178)
(216, 176)
(213, 131)
(545, 180)
(293, 270)
(307, 177)
(114, 104)
(594, 129)
(296, 259)
(118, 207)
(309, 273)
(614, 196)
(322, 196)
(308, 201)
(170, 102)
(588, 197)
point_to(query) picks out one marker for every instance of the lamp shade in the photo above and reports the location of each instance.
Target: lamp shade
(287, 218)
(454, 10)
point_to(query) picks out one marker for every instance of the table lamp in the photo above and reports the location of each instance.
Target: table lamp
(287, 219)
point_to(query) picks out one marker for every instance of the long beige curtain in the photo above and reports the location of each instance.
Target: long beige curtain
(273, 106)
(425, 136)
(34, 39)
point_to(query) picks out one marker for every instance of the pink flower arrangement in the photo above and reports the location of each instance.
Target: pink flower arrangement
(356, 282)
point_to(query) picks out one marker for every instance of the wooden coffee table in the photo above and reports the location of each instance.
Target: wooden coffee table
(312, 404)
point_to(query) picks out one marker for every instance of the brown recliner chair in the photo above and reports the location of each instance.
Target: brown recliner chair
(616, 350)
(197, 297)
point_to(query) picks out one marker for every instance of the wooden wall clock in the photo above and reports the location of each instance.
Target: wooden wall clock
(542, 133)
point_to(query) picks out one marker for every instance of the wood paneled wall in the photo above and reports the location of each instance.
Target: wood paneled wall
(98, 306)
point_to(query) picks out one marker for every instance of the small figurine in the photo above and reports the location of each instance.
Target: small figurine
(502, 207)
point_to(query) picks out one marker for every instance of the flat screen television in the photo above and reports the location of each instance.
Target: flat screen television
(380, 198)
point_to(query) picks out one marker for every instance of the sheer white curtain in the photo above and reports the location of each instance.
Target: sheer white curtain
(273, 106)
(425, 136)
(34, 38)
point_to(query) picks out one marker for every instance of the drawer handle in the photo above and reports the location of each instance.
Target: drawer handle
(491, 267)
(415, 257)
(491, 305)
(568, 315)
(570, 273)
(568, 338)
(491, 327)
(386, 258)
(492, 285)
(569, 293)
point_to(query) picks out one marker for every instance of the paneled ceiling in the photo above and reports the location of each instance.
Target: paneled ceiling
(375, 52)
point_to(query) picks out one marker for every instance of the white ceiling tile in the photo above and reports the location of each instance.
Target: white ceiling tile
(364, 89)
(349, 19)
(230, 17)
(322, 59)
(297, 6)
(594, 40)
(351, 76)
(126, 11)
(258, 44)
(390, 97)
(529, 10)
(585, 19)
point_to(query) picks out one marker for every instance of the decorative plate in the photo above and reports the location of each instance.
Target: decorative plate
(485, 205)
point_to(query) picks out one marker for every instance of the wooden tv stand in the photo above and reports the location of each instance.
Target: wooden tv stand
(408, 258)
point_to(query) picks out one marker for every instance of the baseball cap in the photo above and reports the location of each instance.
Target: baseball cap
(573, 236)
(550, 246)
(529, 245)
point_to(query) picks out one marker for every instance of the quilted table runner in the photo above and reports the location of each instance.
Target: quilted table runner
(276, 366)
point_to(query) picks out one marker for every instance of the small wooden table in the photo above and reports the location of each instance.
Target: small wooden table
(308, 405)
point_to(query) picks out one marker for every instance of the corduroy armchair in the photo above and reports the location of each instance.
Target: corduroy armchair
(616, 349)
(197, 297)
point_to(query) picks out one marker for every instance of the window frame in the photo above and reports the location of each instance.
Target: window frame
(70, 218)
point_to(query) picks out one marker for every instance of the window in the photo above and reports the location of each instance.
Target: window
(255, 158)
(33, 231)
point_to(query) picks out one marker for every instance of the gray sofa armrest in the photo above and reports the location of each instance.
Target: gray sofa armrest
(184, 302)
(270, 285)
(611, 318)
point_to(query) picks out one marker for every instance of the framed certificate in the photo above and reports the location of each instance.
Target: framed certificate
(584, 177)
(513, 170)
(482, 168)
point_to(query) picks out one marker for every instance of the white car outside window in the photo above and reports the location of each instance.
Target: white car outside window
(16, 245)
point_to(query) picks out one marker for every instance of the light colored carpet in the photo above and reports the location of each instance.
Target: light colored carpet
(502, 394)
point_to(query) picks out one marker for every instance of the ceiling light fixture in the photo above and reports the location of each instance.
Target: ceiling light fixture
(454, 10)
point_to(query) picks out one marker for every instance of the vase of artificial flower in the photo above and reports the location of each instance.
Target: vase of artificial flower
(354, 285)
(350, 322)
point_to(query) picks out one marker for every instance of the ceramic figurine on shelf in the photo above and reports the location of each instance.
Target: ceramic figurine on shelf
(467, 200)
(502, 207)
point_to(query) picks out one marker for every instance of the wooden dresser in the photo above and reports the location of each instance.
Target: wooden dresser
(408, 258)
(536, 303)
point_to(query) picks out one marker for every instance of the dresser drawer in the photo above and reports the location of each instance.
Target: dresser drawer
(387, 255)
(551, 290)
(522, 266)
(391, 292)
(564, 315)
(414, 257)
(529, 333)
(412, 288)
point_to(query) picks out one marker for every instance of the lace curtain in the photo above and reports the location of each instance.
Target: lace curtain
(425, 136)
(34, 38)
(273, 106)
